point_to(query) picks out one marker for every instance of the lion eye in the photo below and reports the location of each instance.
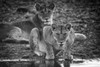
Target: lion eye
(64, 33)
(42, 11)
(53, 26)
(49, 11)
(57, 33)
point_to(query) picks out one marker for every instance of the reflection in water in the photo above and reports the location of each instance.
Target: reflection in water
(38, 63)
(2, 64)
(63, 64)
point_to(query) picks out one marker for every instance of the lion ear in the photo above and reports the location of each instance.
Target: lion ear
(68, 26)
(38, 7)
(51, 6)
(54, 26)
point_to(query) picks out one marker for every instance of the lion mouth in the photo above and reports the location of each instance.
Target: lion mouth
(46, 21)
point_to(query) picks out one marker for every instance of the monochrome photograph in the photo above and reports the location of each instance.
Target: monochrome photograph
(49, 33)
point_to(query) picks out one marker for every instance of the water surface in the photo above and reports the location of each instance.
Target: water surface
(36, 63)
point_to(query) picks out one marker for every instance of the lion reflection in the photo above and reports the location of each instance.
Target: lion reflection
(50, 63)
(36, 63)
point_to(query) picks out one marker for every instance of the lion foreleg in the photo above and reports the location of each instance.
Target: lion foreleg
(49, 52)
(49, 42)
(34, 42)
(67, 51)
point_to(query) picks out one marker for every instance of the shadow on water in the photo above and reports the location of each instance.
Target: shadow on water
(37, 63)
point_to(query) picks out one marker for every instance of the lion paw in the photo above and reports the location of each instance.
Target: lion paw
(39, 53)
(50, 56)
(70, 57)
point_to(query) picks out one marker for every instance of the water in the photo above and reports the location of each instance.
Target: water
(36, 63)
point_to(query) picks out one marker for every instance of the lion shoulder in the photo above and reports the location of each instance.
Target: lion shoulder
(47, 34)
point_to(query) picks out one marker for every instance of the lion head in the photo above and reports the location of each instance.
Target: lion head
(45, 11)
(61, 32)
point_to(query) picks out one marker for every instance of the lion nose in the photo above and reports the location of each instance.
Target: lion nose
(61, 43)
(46, 18)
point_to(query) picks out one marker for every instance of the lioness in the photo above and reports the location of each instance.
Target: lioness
(55, 37)
(44, 13)
(64, 35)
